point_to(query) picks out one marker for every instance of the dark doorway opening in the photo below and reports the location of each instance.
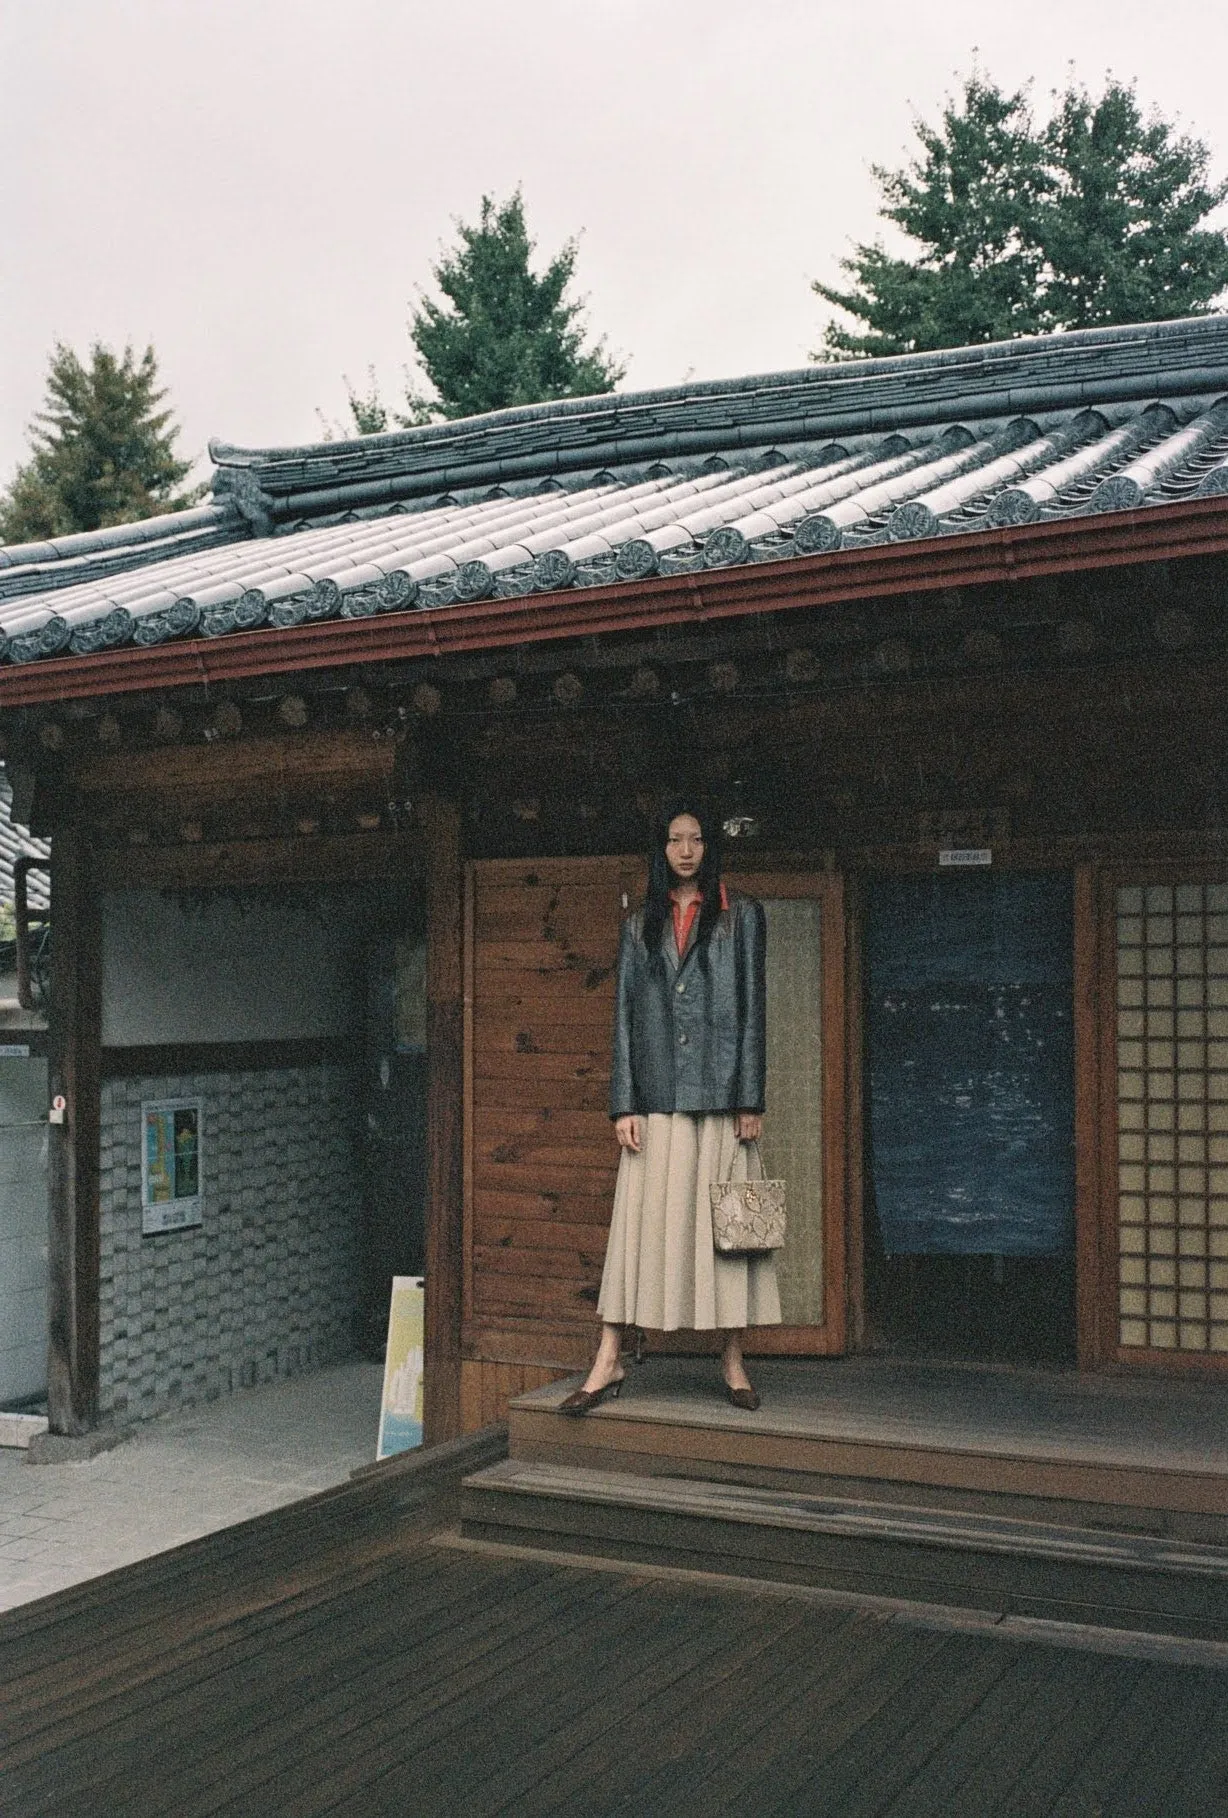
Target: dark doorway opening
(969, 1238)
(393, 1112)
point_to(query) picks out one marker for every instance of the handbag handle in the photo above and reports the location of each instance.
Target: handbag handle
(738, 1144)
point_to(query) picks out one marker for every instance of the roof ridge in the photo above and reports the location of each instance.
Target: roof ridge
(1141, 347)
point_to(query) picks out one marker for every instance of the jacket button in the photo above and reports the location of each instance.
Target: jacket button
(682, 1041)
(681, 989)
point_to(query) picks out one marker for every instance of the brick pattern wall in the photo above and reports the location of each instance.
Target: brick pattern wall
(265, 1288)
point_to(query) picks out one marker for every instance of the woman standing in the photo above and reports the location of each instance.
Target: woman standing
(686, 1096)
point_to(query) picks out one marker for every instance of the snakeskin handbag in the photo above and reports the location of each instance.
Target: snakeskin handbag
(747, 1215)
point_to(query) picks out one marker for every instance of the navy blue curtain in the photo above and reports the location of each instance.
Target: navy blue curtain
(971, 1064)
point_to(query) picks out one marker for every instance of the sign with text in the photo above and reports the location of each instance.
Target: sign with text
(965, 856)
(170, 1165)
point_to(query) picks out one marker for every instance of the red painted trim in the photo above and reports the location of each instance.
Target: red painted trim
(1069, 545)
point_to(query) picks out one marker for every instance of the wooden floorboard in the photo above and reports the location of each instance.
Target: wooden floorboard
(1202, 1784)
(1161, 1700)
(238, 1752)
(651, 1695)
(214, 1733)
(729, 1737)
(1016, 1738)
(332, 1661)
(962, 1771)
(429, 1707)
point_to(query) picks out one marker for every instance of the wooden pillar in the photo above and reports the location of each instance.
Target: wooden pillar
(74, 1055)
(1095, 1081)
(441, 827)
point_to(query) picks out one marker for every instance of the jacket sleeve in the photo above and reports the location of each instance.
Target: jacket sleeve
(622, 1085)
(752, 990)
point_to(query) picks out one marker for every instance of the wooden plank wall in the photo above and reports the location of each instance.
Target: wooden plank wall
(440, 822)
(540, 1160)
(487, 1388)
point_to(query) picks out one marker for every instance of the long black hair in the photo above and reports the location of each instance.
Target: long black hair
(661, 879)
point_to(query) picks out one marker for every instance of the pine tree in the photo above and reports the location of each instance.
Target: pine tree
(967, 202)
(1121, 230)
(504, 335)
(1093, 218)
(103, 451)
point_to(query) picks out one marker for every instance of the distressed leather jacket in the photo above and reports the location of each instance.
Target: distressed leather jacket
(690, 1036)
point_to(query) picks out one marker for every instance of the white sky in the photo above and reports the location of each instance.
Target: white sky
(257, 186)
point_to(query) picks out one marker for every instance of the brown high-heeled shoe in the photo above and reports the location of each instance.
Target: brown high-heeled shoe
(743, 1398)
(583, 1401)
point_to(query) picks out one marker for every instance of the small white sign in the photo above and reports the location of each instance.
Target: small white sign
(966, 855)
(170, 1165)
(14, 1050)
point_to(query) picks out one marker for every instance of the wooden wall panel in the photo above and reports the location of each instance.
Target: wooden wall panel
(540, 1160)
(487, 1388)
(445, 1046)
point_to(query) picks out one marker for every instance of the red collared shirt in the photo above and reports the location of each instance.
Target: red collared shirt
(684, 919)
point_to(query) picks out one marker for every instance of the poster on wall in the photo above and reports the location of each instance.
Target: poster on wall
(400, 1424)
(170, 1165)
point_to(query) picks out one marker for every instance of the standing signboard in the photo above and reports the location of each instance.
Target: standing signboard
(400, 1426)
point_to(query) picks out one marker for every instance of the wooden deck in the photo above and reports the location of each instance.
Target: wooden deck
(348, 1655)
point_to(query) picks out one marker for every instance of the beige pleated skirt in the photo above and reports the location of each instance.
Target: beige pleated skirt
(661, 1270)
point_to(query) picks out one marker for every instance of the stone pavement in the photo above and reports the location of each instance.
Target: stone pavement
(182, 1476)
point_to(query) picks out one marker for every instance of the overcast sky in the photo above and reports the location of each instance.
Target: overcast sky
(257, 186)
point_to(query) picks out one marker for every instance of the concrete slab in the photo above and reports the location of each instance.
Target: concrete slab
(182, 1476)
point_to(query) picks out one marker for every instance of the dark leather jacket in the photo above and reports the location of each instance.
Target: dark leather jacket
(691, 1036)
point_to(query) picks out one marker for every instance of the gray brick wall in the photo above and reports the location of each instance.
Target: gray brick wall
(265, 1288)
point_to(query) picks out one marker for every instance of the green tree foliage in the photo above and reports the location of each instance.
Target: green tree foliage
(1095, 217)
(1122, 234)
(502, 333)
(103, 450)
(368, 410)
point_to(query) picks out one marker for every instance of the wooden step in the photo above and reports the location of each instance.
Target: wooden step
(1150, 1458)
(920, 1553)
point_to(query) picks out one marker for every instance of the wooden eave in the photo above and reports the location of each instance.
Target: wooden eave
(1163, 533)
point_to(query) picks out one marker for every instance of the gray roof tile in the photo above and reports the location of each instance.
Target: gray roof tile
(584, 491)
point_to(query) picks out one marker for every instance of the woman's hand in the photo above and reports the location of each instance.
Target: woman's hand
(627, 1130)
(748, 1126)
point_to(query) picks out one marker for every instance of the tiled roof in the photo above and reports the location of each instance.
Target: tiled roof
(15, 844)
(586, 491)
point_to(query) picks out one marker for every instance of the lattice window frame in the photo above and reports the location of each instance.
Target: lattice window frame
(1170, 1112)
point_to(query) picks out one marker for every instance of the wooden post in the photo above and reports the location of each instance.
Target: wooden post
(74, 1072)
(1095, 1057)
(854, 1109)
(440, 822)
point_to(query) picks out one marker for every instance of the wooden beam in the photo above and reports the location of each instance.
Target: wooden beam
(74, 1056)
(226, 766)
(440, 822)
(320, 858)
(229, 1057)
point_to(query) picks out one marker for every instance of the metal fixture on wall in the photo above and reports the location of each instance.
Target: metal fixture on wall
(739, 823)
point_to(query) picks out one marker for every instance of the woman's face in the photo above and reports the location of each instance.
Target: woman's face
(684, 847)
